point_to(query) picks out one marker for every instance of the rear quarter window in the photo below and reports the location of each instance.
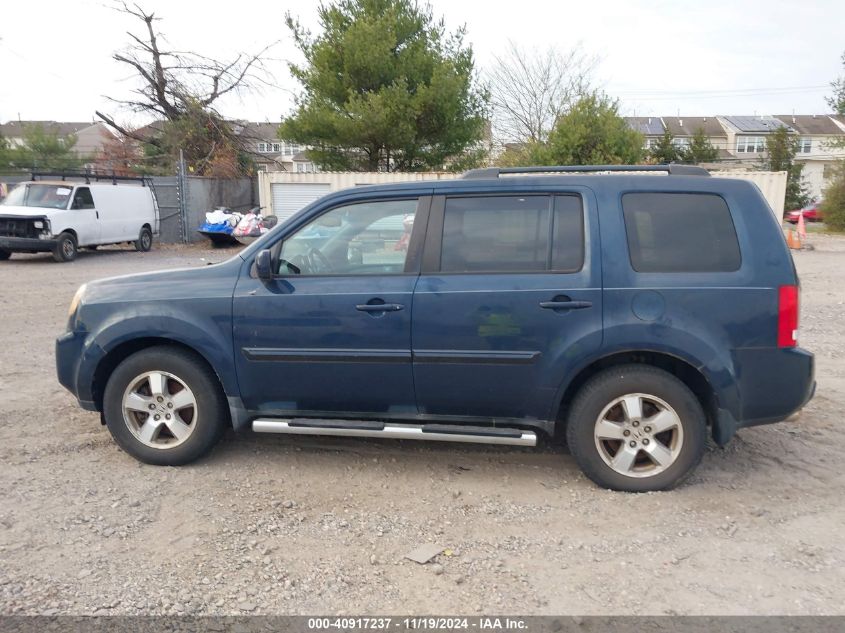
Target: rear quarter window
(680, 232)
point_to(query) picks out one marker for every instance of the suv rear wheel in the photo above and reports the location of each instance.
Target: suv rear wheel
(636, 428)
(164, 406)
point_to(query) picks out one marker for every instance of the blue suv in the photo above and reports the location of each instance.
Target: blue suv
(632, 310)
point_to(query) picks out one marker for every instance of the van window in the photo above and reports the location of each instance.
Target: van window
(495, 234)
(680, 232)
(370, 238)
(82, 199)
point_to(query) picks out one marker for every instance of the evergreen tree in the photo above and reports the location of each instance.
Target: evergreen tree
(591, 133)
(781, 148)
(385, 88)
(43, 149)
(665, 152)
(837, 99)
(699, 150)
(833, 204)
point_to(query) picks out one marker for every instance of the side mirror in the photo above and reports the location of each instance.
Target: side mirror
(264, 265)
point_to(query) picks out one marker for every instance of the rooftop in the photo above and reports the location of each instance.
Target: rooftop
(762, 124)
(689, 125)
(810, 123)
(61, 128)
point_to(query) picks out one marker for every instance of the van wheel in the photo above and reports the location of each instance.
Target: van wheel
(164, 406)
(636, 428)
(65, 249)
(145, 240)
(4, 254)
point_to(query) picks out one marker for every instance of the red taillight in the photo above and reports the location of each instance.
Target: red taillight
(787, 316)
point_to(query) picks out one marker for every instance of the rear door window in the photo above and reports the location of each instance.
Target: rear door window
(680, 232)
(512, 234)
(495, 234)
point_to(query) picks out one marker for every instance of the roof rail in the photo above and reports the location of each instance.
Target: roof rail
(88, 176)
(672, 170)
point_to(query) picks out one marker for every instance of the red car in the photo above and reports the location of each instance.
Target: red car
(812, 213)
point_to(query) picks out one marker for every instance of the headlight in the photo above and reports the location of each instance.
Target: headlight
(38, 224)
(77, 299)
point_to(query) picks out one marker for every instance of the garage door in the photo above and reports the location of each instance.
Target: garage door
(288, 198)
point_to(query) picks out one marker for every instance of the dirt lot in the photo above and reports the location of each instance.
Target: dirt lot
(294, 525)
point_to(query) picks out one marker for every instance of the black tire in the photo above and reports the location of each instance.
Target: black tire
(145, 240)
(599, 392)
(66, 248)
(4, 254)
(209, 420)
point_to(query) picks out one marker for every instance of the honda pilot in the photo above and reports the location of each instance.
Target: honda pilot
(633, 311)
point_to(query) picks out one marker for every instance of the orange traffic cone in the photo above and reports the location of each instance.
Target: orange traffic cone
(802, 228)
(792, 240)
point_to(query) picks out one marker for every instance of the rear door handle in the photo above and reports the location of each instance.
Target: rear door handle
(565, 303)
(380, 307)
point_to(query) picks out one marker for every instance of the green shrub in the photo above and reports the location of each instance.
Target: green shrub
(833, 206)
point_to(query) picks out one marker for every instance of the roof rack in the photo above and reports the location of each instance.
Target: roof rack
(88, 176)
(672, 170)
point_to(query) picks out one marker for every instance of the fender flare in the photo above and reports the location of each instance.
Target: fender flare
(715, 369)
(204, 338)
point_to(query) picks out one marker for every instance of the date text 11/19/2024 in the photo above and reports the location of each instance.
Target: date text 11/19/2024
(421, 623)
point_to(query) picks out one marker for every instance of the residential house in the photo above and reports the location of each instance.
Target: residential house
(683, 128)
(90, 136)
(747, 135)
(272, 154)
(821, 145)
(262, 141)
(651, 127)
(741, 140)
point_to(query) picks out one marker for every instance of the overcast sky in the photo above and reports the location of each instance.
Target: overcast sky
(657, 56)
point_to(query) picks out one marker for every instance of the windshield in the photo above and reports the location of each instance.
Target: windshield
(38, 195)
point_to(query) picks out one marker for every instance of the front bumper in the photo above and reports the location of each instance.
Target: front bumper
(69, 355)
(26, 244)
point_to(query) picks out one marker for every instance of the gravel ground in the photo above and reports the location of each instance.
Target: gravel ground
(292, 525)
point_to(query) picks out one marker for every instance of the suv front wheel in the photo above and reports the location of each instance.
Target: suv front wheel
(636, 428)
(164, 406)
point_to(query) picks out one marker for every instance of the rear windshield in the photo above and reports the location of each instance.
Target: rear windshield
(38, 195)
(680, 232)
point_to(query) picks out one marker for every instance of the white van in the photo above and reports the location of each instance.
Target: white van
(60, 217)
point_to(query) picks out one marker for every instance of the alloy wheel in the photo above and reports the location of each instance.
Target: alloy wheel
(639, 435)
(159, 409)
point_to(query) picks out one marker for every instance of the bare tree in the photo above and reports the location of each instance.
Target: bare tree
(182, 88)
(530, 89)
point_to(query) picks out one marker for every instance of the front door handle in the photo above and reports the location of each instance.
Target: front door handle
(380, 307)
(562, 302)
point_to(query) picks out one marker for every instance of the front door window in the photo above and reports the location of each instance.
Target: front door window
(370, 238)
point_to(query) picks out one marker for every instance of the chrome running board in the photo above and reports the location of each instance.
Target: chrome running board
(427, 432)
